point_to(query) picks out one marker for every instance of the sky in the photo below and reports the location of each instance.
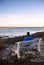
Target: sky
(22, 13)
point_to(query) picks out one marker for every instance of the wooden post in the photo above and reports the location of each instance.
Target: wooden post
(18, 49)
(39, 49)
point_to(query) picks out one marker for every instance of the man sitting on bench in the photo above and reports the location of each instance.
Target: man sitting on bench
(28, 37)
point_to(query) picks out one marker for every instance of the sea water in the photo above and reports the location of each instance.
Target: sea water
(19, 31)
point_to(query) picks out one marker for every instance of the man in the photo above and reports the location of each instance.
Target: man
(27, 37)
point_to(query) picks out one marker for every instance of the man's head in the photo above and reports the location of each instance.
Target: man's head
(28, 33)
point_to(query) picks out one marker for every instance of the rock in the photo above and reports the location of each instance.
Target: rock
(6, 54)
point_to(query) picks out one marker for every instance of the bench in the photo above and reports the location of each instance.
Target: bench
(25, 46)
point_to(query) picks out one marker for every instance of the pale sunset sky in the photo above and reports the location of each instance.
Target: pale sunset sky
(21, 13)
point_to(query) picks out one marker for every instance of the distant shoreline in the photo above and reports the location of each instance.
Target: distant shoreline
(22, 27)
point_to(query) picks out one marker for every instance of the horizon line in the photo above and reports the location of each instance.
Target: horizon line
(18, 26)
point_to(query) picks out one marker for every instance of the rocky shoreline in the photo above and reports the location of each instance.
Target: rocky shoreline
(5, 52)
(7, 40)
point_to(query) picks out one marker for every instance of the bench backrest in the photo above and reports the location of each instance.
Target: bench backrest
(24, 44)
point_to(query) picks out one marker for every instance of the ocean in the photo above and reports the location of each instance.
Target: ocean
(19, 31)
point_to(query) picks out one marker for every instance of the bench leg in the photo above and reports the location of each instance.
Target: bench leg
(18, 50)
(39, 49)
